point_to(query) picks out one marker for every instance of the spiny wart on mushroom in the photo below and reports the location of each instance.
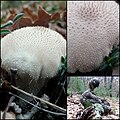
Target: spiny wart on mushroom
(93, 30)
(36, 54)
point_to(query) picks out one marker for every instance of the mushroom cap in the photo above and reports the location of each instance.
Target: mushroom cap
(36, 54)
(93, 29)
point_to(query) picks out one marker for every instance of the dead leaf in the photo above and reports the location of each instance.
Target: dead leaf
(29, 13)
(43, 18)
(55, 16)
(23, 22)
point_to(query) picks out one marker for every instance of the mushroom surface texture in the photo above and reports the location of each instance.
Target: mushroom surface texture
(93, 30)
(36, 54)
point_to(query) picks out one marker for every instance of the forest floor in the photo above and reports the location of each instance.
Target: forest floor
(74, 106)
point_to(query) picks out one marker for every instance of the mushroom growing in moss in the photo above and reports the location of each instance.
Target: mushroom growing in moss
(35, 52)
(93, 30)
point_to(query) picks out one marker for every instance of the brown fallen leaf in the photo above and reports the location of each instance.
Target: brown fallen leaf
(55, 16)
(23, 22)
(30, 14)
(43, 18)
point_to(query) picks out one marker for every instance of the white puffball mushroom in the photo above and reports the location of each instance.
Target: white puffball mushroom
(93, 29)
(36, 54)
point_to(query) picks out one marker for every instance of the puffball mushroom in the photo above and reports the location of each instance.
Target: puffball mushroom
(36, 54)
(93, 30)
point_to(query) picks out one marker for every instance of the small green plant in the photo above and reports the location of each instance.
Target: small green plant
(110, 61)
(63, 66)
(98, 110)
(61, 72)
(87, 104)
(4, 27)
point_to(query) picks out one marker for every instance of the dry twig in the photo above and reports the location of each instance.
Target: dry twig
(48, 103)
(55, 113)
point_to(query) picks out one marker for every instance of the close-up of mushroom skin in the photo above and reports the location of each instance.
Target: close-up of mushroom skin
(92, 31)
(35, 52)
